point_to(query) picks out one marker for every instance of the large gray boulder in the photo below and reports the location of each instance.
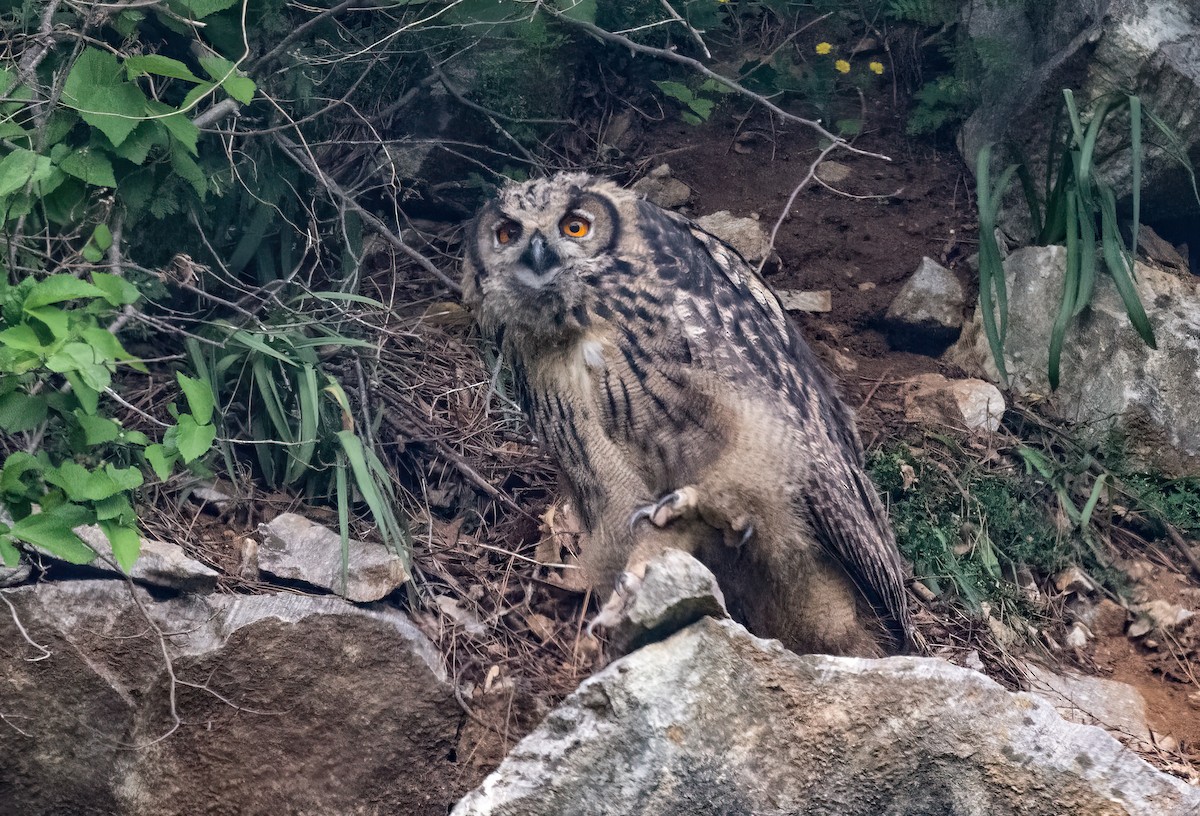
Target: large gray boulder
(1095, 47)
(716, 721)
(286, 704)
(1109, 377)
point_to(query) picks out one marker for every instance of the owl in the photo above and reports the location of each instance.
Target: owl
(684, 410)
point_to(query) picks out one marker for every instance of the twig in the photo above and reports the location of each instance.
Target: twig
(1181, 544)
(45, 653)
(787, 208)
(695, 65)
(293, 151)
(695, 34)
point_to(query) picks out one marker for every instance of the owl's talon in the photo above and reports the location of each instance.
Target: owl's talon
(682, 503)
(613, 611)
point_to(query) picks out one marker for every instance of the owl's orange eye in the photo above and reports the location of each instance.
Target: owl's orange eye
(507, 231)
(575, 226)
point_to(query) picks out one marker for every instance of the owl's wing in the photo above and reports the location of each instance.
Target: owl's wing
(735, 326)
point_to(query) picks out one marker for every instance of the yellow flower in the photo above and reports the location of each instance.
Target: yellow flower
(824, 48)
(875, 66)
(842, 66)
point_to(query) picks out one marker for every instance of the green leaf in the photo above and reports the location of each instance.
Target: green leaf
(16, 467)
(115, 289)
(8, 553)
(95, 87)
(222, 70)
(115, 508)
(20, 167)
(105, 343)
(82, 360)
(188, 170)
(137, 146)
(202, 8)
(89, 398)
(58, 288)
(21, 338)
(158, 65)
(89, 166)
(54, 534)
(199, 397)
(20, 412)
(96, 429)
(178, 125)
(125, 541)
(194, 440)
(161, 461)
(56, 321)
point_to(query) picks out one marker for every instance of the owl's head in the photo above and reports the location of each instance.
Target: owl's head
(534, 253)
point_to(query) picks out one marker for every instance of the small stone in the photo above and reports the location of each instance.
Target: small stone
(843, 362)
(1077, 637)
(672, 591)
(1108, 618)
(973, 405)
(160, 563)
(746, 235)
(297, 549)
(806, 301)
(926, 314)
(1073, 579)
(832, 172)
(1164, 615)
(661, 189)
(867, 286)
(1165, 742)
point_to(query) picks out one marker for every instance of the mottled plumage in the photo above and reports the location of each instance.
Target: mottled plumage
(654, 361)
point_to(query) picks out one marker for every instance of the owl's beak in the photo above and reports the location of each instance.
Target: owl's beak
(538, 256)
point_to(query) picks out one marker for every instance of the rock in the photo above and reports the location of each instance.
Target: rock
(745, 235)
(661, 189)
(1077, 636)
(832, 172)
(716, 721)
(1107, 618)
(1074, 579)
(161, 563)
(1117, 707)
(795, 300)
(294, 704)
(673, 591)
(296, 549)
(1147, 47)
(972, 405)
(1109, 377)
(1163, 615)
(927, 313)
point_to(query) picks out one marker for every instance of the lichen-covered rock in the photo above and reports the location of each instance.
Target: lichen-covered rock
(1109, 377)
(746, 235)
(660, 188)
(297, 549)
(287, 704)
(716, 721)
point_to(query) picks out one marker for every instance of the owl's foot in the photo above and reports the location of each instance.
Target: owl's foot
(684, 503)
(616, 607)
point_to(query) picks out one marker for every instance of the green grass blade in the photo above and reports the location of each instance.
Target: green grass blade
(1135, 138)
(1175, 148)
(1073, 116)
(1098, 488)
(1054, 230)
(1070, 293)
(308, 403)
(1087, 147)
(993, 292)
(1086, 251)
(1031, 199)
(390, 528)
(1115, 261)
(264, 381)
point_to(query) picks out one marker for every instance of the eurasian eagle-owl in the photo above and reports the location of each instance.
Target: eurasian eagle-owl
(671, 388)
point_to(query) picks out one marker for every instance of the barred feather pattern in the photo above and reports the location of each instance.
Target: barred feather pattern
(657, 359)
